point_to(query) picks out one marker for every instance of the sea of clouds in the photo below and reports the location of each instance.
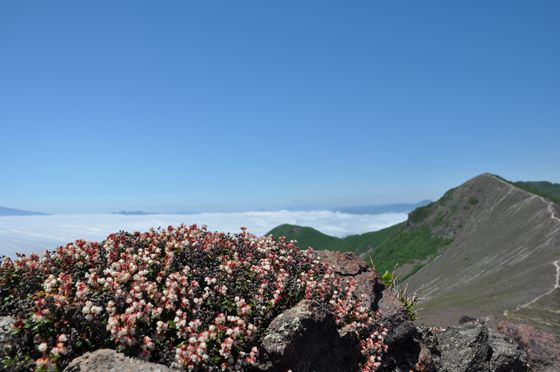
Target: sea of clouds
(28, 234)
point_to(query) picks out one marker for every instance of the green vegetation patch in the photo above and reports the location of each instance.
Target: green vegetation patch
(545, 189)
(420, 214)
(440, 219)
(397, 244)
(447, 196)
(306, 237)
(473, 201)
(363, 243)
(403, 245)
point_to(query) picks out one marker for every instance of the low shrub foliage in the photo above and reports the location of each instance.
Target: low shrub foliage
(184, 297)
(410, 301)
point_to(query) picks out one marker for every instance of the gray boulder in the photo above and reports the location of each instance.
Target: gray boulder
(402, 338)
(306, 338)
(6, 323)
(506, 355)
(543, 349)
(464, 348)
(471, 347)
(106, 360)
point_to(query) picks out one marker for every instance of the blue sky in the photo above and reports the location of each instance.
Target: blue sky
(228, 105)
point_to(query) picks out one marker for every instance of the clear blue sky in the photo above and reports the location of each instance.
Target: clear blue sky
(222, 105)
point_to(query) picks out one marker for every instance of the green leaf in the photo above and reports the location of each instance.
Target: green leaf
(387, 278)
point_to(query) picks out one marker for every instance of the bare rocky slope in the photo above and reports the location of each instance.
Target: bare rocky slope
(503, 259)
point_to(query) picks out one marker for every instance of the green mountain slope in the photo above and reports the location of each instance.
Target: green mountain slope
(398, 244)
(427, 232)
(306, 236)
(18, 212)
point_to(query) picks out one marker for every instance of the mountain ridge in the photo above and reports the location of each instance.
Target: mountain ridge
(5, 211)
(382, 208)
(502, 258)
(488, 239)
(134, 213)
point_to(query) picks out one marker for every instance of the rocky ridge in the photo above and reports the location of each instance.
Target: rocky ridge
(503, 261)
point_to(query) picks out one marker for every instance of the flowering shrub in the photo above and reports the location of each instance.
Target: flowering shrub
(184, 297)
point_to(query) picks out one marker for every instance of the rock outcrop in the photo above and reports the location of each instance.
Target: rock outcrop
(347, 265)
(106, 360)
(402, 338)
(304, 338)
(470, 346)
(543, 349)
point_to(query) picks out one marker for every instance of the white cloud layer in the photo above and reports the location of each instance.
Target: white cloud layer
(28, 234)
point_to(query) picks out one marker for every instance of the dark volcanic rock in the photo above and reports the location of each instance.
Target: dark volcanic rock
(402, 338)
(466, 319)
(505, 354)
(426, 362)
(470, 347)
(348, 265)
(464, 348)
(306, 338)
(106, 360)
(543, 349)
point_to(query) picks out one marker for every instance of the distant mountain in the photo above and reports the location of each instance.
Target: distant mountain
(300, 205)
(384, 208)
(143, 213)
(134, 213)
(183, 212)
(487, 248)
(18, 212)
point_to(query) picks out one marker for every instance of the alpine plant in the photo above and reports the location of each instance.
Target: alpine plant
(181, 296)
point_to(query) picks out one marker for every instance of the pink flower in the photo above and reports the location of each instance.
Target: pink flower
(211, 292)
